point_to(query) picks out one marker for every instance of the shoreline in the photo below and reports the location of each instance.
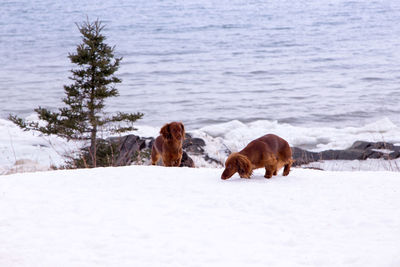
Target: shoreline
(218, 140)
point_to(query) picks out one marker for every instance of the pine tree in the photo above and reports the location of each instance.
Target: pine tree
(82, 116)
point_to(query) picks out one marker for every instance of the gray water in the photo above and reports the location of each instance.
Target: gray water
(306, 63)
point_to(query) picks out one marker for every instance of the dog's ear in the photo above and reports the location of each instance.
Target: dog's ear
(166, 132)
(183, 130)
(244, 166)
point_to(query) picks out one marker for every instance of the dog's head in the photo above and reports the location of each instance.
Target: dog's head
(237, 163)
(173, 131)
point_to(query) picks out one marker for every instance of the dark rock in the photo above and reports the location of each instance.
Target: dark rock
(193, 145)
(362, 145)
(342, 154)
(394, 155)
(302, 156)
(212, 160)
(186, 161)
(128, 147)
(360, 150)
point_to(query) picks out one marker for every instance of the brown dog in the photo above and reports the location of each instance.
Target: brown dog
(169, 145)
(269, 151)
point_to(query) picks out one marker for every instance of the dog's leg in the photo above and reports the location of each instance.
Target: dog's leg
(269, 170)
(286, 170)
(271, 166)
(154, 156)
(178, 162)
(279, 166)
(167, 161)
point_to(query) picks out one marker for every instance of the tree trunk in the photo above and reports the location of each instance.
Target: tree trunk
(92, 119)
(93, 146)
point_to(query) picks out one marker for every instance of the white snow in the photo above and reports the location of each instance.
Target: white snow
(157, 216)
(356, 165)
(236, 134)
(16, 144)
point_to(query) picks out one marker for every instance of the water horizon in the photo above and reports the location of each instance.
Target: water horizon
(329, 64)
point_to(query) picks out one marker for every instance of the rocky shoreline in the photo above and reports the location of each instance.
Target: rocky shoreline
(360, 150)
(133, 148)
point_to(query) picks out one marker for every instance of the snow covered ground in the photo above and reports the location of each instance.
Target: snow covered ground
(157, 216)
(356, 165)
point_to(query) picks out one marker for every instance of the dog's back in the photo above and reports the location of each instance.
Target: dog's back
(278, 146)
(257, 152)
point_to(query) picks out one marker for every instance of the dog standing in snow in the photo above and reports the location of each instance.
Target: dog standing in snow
(269, 151)
(168, 145)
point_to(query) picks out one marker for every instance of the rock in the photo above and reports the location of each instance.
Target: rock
(193, 145)
(302, 156)
(128, 148)
(394, 155)
(360, 150)
(342, 154)
(212, 160)
(186, 161)
(362, 145)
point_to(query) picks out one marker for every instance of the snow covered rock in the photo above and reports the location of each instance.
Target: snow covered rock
(26, 165)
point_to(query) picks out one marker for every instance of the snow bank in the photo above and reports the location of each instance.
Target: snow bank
(156, 216)
(16, 144)
(356, 165)
(236, 134)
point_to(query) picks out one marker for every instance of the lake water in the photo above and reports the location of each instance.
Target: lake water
(306, 63)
